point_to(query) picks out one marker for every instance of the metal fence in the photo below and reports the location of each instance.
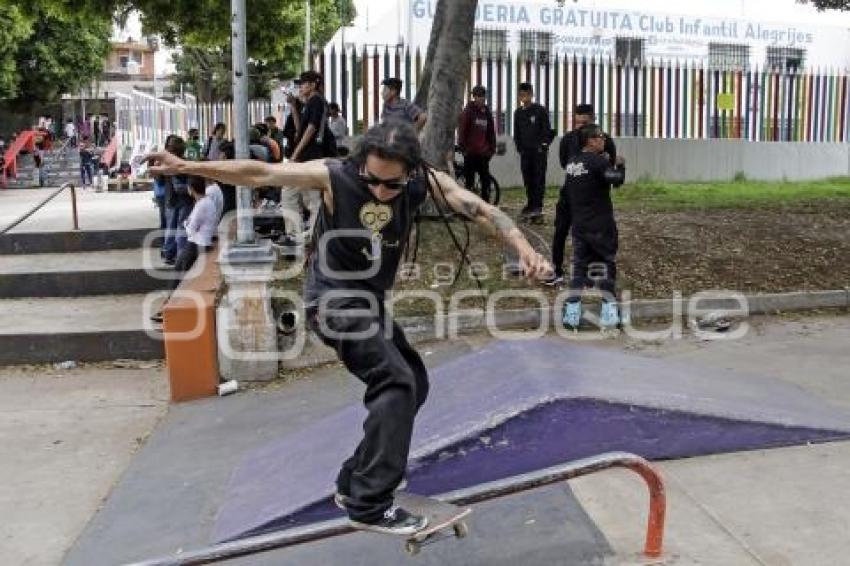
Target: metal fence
(652, 100)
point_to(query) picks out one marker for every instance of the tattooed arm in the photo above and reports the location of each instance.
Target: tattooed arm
(450, 194)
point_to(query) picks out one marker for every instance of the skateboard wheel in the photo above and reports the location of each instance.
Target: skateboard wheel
(412, 547)
(461, 530)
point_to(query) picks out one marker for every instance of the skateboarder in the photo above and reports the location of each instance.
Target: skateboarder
(374, 194)
(589, 178)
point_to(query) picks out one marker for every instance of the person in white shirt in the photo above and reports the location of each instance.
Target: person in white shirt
(214, 193)
(71, 133)
(337, 123)
(200, 229)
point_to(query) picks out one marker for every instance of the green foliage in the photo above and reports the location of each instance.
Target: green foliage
(14, 28)
(275, 38)
(828, 4)
(48, 49)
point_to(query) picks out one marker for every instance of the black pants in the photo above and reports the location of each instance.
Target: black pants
(595, 248)
(477, 165)
(186, 258)
(396, 387)
(563, 220)
(533, 164)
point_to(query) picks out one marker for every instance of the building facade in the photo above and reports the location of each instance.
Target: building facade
(737, 34)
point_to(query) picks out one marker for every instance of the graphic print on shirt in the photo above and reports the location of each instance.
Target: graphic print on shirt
(375, 216)
(576, 169)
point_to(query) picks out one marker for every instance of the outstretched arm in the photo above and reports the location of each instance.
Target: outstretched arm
(452, 195)
(245, 172)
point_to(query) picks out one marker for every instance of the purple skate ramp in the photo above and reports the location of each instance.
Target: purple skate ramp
(512, 407)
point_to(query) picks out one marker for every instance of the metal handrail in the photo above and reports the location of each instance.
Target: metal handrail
(476, 494)
(45, 201)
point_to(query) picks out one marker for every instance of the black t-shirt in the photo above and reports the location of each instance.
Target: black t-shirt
(589, 192)
(313, 113)
(375, 250)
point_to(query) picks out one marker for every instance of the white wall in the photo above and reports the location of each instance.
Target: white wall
(701, 160)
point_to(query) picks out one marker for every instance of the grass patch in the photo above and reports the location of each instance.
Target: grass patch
(742, 193)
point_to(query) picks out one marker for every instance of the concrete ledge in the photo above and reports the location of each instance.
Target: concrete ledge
(82, 346)
(189, 332)
(422, 329)
(70, 242)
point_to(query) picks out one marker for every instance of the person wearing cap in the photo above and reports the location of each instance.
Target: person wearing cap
(532, 136)
(476, 137)
(397, 108)
(369, 204)
(312, 121)
(569, 148)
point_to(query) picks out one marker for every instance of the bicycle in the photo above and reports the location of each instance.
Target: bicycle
(495, 190)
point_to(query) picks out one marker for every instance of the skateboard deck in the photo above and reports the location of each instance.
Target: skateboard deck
(441, 516)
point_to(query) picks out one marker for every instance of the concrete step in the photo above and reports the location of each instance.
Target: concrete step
(72, 242)
(83, 274)
(79, 329)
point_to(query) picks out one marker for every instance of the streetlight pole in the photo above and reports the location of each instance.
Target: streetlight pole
(238, 26)
(307, 38)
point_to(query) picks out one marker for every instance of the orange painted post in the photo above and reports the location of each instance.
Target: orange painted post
(189, 334)
(654, 544)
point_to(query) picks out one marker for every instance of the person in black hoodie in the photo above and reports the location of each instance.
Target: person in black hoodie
(570, 147)
(588, 183)
(476, 137)
(532, 136)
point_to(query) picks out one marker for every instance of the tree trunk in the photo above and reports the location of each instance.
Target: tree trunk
(421, 99)
(449, 71)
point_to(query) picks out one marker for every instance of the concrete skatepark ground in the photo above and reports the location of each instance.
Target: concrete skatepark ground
(779, 506)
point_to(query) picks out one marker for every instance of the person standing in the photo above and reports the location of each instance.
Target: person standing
(338, 125)
(477, 141)
(589, 178)
(532, 136)
(193, 146)
(178, 206)
(71, 133)
(96, 131)
(105, 130)
(212, 148)
(86, 163)
(569, 148)
(374, 195)
(397, 108)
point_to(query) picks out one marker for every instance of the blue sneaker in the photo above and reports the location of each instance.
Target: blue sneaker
(609, 315)
(572, 314)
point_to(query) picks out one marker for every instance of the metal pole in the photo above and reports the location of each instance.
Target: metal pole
(244, 218)
(307, 38)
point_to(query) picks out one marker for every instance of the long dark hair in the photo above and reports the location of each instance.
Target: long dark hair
(394, 140)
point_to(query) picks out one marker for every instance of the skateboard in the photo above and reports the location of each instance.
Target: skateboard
(441, 516)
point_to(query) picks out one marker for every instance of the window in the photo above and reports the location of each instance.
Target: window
(728, 56)
(489, 43)
(786, 59)
(630, 50)
(535, 46)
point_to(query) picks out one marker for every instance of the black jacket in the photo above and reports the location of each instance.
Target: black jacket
(532, 130)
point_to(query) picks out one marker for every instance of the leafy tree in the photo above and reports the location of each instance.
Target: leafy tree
(828, 4)
(46, 50)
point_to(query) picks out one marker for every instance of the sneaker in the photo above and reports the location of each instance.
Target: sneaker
(396, 521)
(572, 314)
(341, 499)
(554, 280)
(609, 315)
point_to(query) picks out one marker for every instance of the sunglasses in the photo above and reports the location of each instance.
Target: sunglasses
(391, 184)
